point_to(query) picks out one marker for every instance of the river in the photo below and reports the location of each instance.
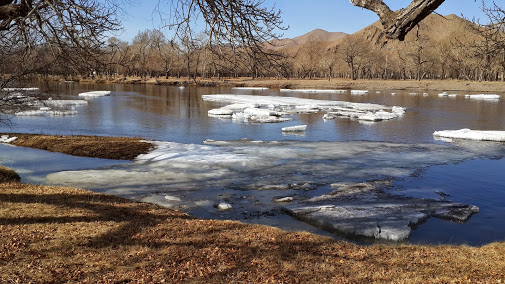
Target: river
(469, 173)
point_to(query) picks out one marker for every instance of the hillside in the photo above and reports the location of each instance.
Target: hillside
(318, 35)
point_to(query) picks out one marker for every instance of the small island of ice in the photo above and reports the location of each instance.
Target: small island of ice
(483, 97)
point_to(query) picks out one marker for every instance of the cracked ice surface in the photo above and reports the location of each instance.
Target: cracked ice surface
(479, 135)
(366, 211)
(245, 164)
(295, 166)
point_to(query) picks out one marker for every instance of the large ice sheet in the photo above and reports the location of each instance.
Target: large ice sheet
(365, 210)
(243, 107)
(31, 89)
(479, 135)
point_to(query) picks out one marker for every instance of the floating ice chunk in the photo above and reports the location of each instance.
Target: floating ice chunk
(359, 92)
(284, 199)
(414, 94)
(223, 206)
(172, 198)
(364, 210)
(62, 112)
(393, 94)
(483, 97)
(240, 107)
(398, 110)
(257, 112)
(445, 94)
(220, 112)
(425, 94)
(7, 139)
(182, 87)
(377, 116)
(31, 113)
(296, 128)
(251, 88)
(479, 135)
(62, 103)
(45, 108)
(20, 89)
(315, 91)
(95, 94)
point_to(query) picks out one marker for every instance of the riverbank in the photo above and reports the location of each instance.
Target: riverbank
(410, 85)
(55, 234)
(116, 148)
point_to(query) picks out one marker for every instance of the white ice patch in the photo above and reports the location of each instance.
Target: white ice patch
(445, 94)
(31, 113)
(65, 103)
(479, 135)
(220, 112)
(95, 94)
(6, 139)
(486, 97)
(359, 92)
(322, 91)
(250, 88)
(296, 128)
(274, 109)
(20, 89)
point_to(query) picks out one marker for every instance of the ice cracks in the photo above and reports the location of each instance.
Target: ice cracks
(250, 108)
(366, 210)
(293, 168)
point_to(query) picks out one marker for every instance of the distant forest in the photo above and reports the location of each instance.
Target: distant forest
(440, 47)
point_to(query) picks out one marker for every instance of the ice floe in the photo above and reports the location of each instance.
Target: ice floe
(275, 109)
(365, 210)
(479, 135)
(359, 92)
(64, 103)
(486, 97)
(224, 206)
(95, 94)
(251, 88)
(20, 89)
(323, 91)
(445, 94)
(296, 128)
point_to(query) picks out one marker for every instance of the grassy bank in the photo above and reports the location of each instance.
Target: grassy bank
(117, 148)
(409, 85)
(54, 234)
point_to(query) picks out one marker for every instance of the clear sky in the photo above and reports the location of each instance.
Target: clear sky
(304, 16)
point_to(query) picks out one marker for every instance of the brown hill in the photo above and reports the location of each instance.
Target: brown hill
(318, 36)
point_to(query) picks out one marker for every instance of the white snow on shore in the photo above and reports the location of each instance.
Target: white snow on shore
(486, 97)
(251, 88)
(323, 91)
(95, 94)
(7, 139)
(479, 135)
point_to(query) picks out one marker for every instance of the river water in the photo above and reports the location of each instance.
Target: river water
(470, 174)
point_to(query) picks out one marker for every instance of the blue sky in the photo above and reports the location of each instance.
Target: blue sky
(304, 16)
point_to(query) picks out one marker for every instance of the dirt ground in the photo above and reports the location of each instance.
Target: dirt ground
(56, 235)
(413, 85)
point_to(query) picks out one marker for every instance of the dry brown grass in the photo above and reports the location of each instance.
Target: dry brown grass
(8, 175)
(54, 234)
(117, 148)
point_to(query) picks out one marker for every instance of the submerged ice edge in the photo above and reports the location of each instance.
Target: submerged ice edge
(290, 167)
